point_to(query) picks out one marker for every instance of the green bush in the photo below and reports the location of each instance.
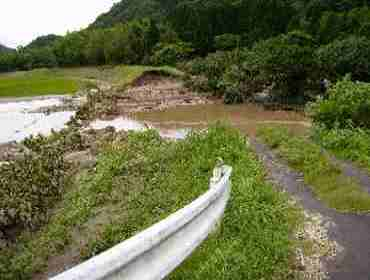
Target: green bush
(227, 41)
(233, 96)
(339, 25)
(350, 55)
(30, 187)
(347, 106)
(212, 68)
(170, 54)
(286, 61)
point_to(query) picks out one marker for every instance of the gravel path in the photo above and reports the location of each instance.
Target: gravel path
(351, 231)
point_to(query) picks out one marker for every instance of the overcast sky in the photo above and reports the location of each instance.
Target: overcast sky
(21, 21)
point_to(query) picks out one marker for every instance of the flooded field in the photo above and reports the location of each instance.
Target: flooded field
(19, 120)
(246, 117)
(128, 124)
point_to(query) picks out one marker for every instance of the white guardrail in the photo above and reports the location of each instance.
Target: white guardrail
(157, 251)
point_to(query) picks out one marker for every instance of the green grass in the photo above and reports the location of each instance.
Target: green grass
(348, 144)
(36, 82)
(141, 180)
(327, 182)
(68, 80)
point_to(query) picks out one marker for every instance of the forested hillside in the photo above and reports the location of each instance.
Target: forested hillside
(44, 41)
(239, 47)
(127, 10)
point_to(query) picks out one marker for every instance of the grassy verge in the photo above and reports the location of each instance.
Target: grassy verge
(140, 180)
(348, 144)
(326, 180)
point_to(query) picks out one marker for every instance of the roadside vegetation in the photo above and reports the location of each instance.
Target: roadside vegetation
(342, 121)
(326, 179)
(347, 144)
(142, 175)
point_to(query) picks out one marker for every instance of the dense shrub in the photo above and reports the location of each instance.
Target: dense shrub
(285, 60)
(347, 105)
(68, 140)
(170, 54)
(212, 68)
(29, 187)
(226, 42)
(351, 55)
(339, 25)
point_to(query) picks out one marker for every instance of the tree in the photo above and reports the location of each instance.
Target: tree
(350, 55)
(70, 49)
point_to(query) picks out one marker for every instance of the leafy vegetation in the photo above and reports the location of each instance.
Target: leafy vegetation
(349, 55)
(347, 105)
(171, 54)
(342, 121)
(327, 182)
(29, 187)
(129, 10)
(44, 41)
(141, 175)
(285, 61)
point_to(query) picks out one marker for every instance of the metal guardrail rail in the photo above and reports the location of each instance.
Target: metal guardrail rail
(158, 250)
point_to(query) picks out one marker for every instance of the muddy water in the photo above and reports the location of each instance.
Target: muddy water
(246, 117)
(128, 124)
(19, 120)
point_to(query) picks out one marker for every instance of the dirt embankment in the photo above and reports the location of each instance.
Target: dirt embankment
(148, 92)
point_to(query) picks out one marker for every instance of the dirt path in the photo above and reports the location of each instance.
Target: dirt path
(351, 231)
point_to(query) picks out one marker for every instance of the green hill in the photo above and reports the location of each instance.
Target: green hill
(44, 41)
(128, 10)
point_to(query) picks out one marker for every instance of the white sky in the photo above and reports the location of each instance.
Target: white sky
(21, 21)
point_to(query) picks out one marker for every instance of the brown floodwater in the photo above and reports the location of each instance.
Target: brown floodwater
(246, 117)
